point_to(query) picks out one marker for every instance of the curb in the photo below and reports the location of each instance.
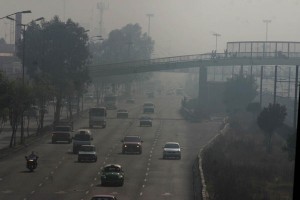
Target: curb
(204, 192)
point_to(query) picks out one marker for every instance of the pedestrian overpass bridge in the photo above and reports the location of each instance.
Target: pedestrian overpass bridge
(249, 53)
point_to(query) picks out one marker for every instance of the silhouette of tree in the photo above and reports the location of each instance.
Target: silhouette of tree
(269, 119)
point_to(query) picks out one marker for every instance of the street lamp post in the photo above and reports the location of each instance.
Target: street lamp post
(22, 12)
(149, 19)
(23, 66)
(216, 35)
(267, 21)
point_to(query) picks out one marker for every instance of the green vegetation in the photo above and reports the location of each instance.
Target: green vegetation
(269, 120)
(236, 166)
(239, 92)
(122, 45)
(56, 53)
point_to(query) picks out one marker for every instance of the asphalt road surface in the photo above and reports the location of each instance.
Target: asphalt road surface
(147, 176)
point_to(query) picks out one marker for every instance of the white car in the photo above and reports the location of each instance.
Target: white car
(87, 153)
(172, 150)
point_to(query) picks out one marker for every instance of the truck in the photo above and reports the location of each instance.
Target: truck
(110, 102)
(148, 107)
(97, 117)
(62, 131)
(81, 137)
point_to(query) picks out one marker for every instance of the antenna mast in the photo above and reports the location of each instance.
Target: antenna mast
(102, 6)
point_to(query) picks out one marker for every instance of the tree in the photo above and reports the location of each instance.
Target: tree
(269, 120)
(254, 108)
(20, 99)
(122, 45)
(4, 100)
(57, 51)
(239, 92)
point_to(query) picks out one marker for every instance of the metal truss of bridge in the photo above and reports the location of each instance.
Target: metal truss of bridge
(236, 53)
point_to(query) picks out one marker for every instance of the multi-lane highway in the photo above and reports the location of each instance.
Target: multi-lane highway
(147, 176)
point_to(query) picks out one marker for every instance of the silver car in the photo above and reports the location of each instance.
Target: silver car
(172, 150)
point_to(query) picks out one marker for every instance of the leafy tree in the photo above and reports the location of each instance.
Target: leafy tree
(290, 146)
(254, 108)
(239, 92)
(58, 52)
(4, 100)
(126, 44)
(20, 99)
(269, 119)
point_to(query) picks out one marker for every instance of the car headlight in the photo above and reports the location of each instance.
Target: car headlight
(103, 176)
(125, 146)
(138, 146)
(120, 176)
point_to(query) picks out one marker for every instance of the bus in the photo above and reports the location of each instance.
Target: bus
(97, 117)
(110, 102)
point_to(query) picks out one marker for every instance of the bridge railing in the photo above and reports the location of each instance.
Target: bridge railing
(200, 57)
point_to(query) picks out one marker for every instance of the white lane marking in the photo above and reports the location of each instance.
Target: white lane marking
(146, 174)
(59, 162)
(143, 186)
(6, 191)
(87, 192)
(52, 172)
(40, 184)
(92, 185)
(32, 192)
(166, 194)
(95, 179)
(148, 168)
(141, 194)
(145, 180)
(1, 179)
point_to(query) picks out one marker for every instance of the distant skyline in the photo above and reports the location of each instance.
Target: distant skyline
(179, 27)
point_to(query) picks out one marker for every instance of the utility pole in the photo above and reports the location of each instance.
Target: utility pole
(267, 21)
(216, 35)
(149, 19)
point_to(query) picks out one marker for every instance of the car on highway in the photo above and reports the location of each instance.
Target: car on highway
(112, 174)
(145, 121)
(122, 113)
(148, 107)
(104, 197)
(82, 137)
(130, 101)
(87, 153)
(172, 150)
(132, 144)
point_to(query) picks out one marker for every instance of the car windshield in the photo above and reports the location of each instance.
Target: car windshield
(219, 77)
(87, 148)
(83, 136)
(172, 146)
(112, 169)
(132, 139)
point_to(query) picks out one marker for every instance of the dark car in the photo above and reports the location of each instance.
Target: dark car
(112, 174)
(132, 144)
(104, 197)
(122, 113)
(145, 121)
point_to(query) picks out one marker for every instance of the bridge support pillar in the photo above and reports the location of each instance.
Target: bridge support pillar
(203, 87)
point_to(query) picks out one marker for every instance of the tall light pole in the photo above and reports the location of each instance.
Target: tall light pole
(23, 65)
(149, 19)
(22, 12)
(216, 35)
(267, 21)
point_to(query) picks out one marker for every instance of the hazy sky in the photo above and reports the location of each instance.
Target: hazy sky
(179, 27)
